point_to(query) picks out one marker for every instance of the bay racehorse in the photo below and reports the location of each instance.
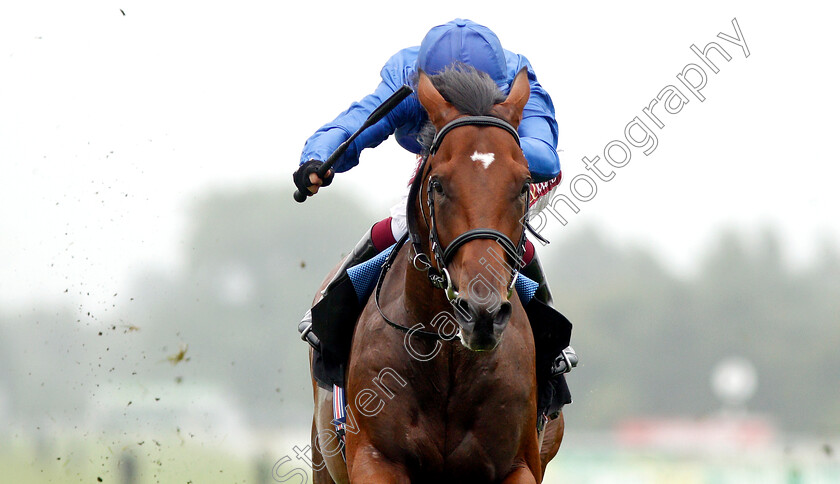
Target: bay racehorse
(441, 381)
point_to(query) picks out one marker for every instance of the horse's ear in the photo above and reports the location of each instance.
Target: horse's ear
(439, 109)
(520, 91)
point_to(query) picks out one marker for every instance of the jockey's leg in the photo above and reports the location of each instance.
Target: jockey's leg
(555, 392)
(374, 241)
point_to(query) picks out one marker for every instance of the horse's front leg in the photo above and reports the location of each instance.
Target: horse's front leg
(521, 475)
(367, 465)
(552, 437)
(526, 467)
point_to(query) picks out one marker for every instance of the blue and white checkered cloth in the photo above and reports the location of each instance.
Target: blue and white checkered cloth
(364, 276)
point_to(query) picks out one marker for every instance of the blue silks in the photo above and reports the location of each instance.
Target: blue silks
(458, 40)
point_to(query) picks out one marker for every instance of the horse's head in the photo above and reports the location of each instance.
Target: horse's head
(473, 195)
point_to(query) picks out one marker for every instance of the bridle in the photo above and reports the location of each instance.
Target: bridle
(439, 276)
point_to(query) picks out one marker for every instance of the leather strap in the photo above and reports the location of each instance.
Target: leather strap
(380, 282)
(472, 121)
(474, 234)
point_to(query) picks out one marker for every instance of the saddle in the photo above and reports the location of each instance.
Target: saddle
(329, 327)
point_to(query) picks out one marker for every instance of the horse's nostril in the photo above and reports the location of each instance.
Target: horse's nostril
(502, 315)
(463, 307)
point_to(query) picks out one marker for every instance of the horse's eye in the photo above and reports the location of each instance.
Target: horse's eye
(525, 189)
(437, 187)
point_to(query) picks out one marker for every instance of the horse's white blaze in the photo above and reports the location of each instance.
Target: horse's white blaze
(484, 158)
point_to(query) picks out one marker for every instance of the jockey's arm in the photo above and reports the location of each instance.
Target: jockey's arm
(328, 137)
(538, 128)
(538, 135)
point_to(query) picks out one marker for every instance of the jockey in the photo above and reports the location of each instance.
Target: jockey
(461, 41)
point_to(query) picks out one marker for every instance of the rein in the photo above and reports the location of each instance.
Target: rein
(439, 277)
(379, 282)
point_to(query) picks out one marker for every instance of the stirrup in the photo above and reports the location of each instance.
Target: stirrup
(564, 363)
(305, 330)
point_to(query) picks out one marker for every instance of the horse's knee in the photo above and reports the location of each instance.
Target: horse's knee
(561, 428)
(522, 475)
(369, 466)
(552, 438)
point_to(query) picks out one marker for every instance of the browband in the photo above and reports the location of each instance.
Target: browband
(472, 121)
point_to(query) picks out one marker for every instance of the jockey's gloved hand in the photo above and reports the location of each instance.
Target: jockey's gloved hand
(307, 180)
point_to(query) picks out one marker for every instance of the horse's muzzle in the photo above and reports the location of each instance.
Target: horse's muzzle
(482, 325)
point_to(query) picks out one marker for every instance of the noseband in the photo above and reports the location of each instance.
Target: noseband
(440, 277)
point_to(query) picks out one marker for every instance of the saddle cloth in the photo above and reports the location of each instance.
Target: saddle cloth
(365, 275)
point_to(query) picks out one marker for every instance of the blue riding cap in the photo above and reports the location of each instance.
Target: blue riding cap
(465, 41)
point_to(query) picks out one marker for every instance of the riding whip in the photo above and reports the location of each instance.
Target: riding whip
(377, 114)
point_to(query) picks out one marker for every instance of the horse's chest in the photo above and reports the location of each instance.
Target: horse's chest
(459, 417)
(470, 437)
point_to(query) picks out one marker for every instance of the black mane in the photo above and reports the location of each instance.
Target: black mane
(471, 91)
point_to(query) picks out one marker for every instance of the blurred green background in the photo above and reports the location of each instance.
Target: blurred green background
(198, 375)
(153, 266)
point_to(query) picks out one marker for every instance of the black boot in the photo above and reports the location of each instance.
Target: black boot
(534, 271)
(554, 356)
(328, 327)
(364, 251)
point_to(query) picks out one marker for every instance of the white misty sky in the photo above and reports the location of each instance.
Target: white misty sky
(111, 124)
